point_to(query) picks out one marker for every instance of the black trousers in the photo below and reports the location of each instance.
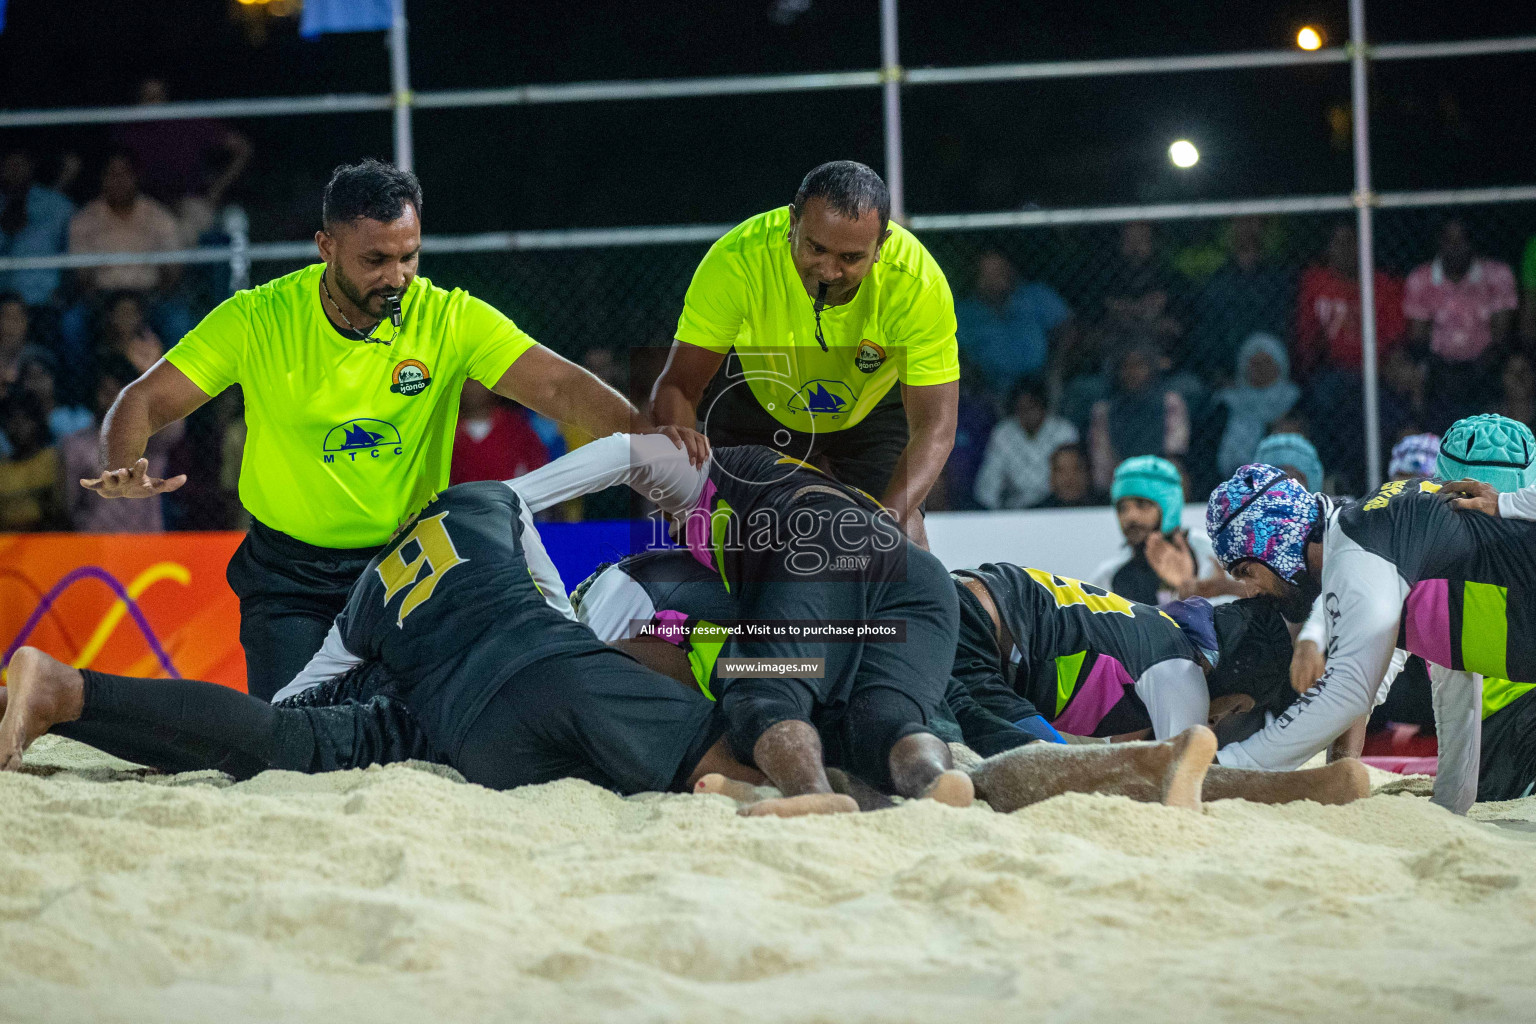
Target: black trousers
(863, 456)
(289, 593)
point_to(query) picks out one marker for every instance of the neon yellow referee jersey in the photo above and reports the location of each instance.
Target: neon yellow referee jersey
(345, 438)
(900, 325)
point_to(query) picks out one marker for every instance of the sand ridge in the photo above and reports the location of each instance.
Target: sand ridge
(402, 894)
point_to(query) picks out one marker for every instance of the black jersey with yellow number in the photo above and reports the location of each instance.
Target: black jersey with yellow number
(1472, 578)
(1080, 649)
(452, 611)
(747, 523)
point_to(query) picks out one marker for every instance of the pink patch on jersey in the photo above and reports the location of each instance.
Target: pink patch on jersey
(1427, 621)
(696, 526)
(671, 626)
(1101, 691)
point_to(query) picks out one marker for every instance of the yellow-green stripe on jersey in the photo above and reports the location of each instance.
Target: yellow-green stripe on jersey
(345, 438)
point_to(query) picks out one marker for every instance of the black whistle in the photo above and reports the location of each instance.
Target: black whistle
(396, 317)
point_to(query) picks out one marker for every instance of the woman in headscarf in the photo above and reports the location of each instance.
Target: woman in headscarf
(1264, 392)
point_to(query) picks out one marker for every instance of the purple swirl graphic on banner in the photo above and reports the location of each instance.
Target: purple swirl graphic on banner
(98, 573)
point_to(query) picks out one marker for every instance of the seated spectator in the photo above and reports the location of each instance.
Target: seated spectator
(1264, 393)
(80, 459)
(1141, 416)
(494, 440)
(1461, 309)
(1071, 483)
(34, 221)
(126, 333)
(1149, 498)
(1328, 347)
(1246, 296)
(1016, 471)
(975, 417)
(1295, 455)
(15, 330)
(1328, 309)
(1519, 385)
(29, 479)
(1414, 456)
(1008, 328)
(122, 219)
(37, 373)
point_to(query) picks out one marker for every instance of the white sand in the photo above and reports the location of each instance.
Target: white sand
(403, 895)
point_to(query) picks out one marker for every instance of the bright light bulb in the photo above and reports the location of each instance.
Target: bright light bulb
(1309, 38)
(1183, 154)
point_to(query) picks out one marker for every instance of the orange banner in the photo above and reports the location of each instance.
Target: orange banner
(150, 605)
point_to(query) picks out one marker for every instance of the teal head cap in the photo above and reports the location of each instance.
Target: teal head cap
(1295, 451)
(1495, 449)
(1155, 479)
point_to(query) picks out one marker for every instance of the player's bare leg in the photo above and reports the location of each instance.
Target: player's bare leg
(41, 693)
(1338, 783)
(1170, 772)
(789, 753)
(921, 766)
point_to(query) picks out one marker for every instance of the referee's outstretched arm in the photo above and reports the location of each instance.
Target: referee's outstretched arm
(154, 401)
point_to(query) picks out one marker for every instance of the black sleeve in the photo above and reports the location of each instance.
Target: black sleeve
(983, 732)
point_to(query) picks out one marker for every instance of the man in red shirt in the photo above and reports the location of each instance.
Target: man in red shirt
(494, 440)
(1328, 350)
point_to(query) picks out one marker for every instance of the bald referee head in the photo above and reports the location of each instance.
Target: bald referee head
(351, 370)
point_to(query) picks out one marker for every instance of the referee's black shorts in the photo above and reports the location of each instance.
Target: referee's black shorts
(289, 593)
(863, 456)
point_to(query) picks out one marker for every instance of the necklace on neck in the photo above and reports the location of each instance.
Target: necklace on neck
(366, 335)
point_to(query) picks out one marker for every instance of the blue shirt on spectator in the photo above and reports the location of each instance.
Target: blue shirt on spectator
(45, 234)
(1012, 342)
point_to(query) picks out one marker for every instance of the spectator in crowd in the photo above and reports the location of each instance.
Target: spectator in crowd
(1141, 295)
(1328, 310)
(182, 158)
(125, 332)
(1461, 309)
(1413, 456)
(975, 418)
(1519, 385)
(1141, 416)
(1148, 495)
(29, 478)
(1248, 295)
(1328, 353)
(1295, 455)
(34, 221)
(1071, 482)
(1264, 393)
(80, 459)
(1008, 327)
(1016, 469)
(1401, 397)
(494, 440)
(37, 373)
(122, 219)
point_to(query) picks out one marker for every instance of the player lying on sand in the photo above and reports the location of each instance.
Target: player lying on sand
(667, 588)
(795, 546)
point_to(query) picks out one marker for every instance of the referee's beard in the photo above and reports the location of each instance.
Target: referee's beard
(371, 303)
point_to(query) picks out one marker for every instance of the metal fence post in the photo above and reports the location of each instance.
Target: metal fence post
(238, 227)
(400, 86)
(891, 75)
(1364, 199)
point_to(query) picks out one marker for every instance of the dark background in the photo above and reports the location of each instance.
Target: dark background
(1437, 123)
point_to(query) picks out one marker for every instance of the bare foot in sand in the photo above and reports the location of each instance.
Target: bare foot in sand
(1192, 752)
(42, 693)
(1342, 782)
(714, 782)
(798, 806)
(953, 787)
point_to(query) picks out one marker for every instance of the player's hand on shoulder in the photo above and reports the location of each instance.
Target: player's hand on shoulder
(1476, 496)
(690, 441)
(133, 482)
(1307, 666)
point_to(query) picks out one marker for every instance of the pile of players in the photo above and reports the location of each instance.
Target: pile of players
(687, 668)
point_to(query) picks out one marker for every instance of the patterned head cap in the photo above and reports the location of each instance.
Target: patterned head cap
(1415, 455)
(1262, 514)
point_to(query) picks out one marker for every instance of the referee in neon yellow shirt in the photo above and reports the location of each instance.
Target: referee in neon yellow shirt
(827, 306)
(351, 370)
